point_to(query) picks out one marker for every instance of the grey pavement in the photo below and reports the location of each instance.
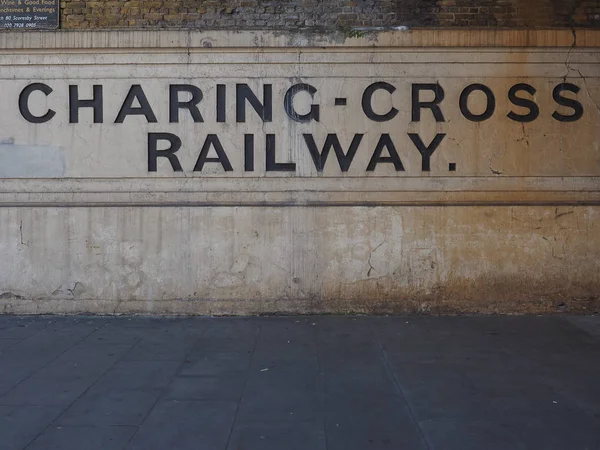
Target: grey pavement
(300, 383)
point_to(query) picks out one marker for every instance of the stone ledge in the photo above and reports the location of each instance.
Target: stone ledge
(151, 39)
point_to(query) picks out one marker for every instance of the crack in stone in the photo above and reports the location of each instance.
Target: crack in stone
(553, 245)
(371, 268)
(10, 296)
(569, 68)
(21, 234)
(498, 153)
(353, 283)
(525, 137)
(587, 91)
(568, 59)
(557, 215)
(494, 171)
(188, 45)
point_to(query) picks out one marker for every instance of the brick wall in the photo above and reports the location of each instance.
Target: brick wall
(328, 14)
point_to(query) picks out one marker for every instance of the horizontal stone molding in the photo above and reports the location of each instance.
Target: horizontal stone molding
(410, 191)
(171, 39)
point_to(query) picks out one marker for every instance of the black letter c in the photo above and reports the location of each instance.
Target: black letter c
(24, 103)
(367, 105)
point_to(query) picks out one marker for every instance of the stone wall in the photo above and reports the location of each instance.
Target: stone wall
(330, 14)
(188, 172)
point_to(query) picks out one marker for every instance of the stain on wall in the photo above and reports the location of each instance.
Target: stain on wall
(31, 161)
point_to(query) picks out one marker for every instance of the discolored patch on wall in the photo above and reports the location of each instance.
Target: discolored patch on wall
(31, 161)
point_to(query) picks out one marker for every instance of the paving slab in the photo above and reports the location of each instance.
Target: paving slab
(216, 363)
(98, 407)
(278, 435)
(7, 343)
(86, 437)
(46, 391)
(186, 425)
(589, 324)
(20, 328)
(369, 421)
(163, 347)
(19, 425)
(290, 393)
(222, 387)
(138, 375)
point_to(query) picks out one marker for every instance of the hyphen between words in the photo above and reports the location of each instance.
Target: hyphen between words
(166, 145)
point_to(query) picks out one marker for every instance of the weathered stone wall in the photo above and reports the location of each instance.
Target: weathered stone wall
(330, 14)
(489, 204)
